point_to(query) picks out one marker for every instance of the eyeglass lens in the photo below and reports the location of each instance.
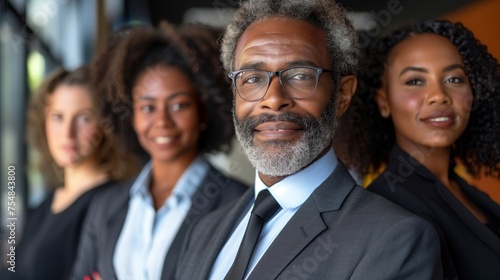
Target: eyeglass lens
(298, 82)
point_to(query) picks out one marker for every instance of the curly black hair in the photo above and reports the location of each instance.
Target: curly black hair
(364, 138)
(190, 48)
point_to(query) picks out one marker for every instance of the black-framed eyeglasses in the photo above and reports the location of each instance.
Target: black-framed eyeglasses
(297, 81)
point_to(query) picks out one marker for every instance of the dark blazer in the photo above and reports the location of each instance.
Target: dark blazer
(107, 215)
(342, 231)
(470, 250)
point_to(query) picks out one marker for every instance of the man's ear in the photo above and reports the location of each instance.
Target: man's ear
(346, 91)
(382, 103)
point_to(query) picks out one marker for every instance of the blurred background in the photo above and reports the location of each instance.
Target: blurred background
(37, 36)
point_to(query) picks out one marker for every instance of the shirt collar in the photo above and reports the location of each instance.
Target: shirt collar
(293, 190)
(191, 178)
(185, 187)
(140, 186)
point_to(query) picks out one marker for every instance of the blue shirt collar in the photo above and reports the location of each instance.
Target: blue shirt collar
(185, 187)
(293, 190)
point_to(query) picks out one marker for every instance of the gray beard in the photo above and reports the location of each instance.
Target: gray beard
(278, 158)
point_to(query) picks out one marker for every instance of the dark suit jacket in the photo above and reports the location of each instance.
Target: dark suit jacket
(107, 215)
(342, 231)
(470, 249)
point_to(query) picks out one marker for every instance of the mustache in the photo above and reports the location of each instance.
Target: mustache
(249, 124)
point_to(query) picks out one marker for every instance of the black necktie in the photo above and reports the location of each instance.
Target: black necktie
(264, 208)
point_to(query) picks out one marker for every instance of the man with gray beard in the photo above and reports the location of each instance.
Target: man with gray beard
(292, 65)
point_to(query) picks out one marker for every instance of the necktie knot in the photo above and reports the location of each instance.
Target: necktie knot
(265, 205)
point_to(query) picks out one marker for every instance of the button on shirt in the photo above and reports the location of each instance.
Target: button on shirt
(291, 193)
(147, 234)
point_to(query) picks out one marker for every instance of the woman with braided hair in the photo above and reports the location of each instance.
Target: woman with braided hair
(428, 96)
(164, 83)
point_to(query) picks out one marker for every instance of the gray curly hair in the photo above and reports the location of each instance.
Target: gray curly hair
(325, 14)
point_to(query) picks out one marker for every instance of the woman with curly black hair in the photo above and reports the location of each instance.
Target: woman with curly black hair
(428, 96)
(168, 85)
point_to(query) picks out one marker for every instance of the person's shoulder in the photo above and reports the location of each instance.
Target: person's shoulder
(114, 188)
(223, 181)
(406, 194)
(382, 218)
(402, 176)
(112, 193)
(97, 190)
(218, 214)
(226, 206)
(44, 204)
(237, 186)
(386, 182)
(382, 210)
(206, 225)
(38, 213)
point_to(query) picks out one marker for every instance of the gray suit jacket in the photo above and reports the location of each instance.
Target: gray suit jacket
(107, 215)
(342, 231)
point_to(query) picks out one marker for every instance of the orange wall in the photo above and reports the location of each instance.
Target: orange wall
(483, 18)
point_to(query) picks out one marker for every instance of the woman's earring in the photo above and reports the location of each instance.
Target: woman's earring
(384, 114)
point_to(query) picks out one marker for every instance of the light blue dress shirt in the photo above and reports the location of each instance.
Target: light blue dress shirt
(147, 234)
(290, 193)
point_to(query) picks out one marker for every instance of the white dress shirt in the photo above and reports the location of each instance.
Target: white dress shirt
(147, 234)
(290, 193)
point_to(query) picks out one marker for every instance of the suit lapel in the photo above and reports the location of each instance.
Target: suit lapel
(223, 232)
(200, 205)
(482, 231)
(305, 225)
(114, 227)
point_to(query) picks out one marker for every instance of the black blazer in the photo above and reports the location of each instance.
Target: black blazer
(107, 214)
(470, 250)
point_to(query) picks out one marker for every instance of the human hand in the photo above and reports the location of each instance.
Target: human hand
(95, 276)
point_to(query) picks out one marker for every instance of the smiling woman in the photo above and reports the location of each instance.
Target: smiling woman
(170, 80)
(167, 115)
(426, 92)
(429, 96)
